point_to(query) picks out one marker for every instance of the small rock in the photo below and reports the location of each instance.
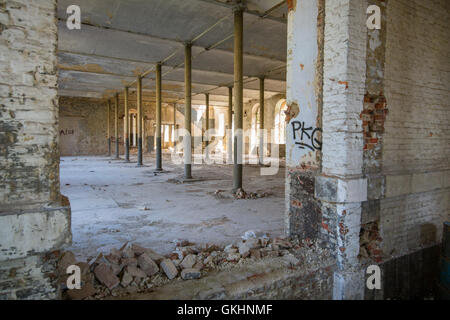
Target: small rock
(126, 279)
(176, 262)
(127, 252)
(282, 243)
(129, 262)
(244, 249)
(147, 265)
(188, 274)
(234, 257)
(116, 268)
(169, 268)
(135, 272)
(209, 260)
(188, 261)
(154, 256)
(230, 249)
(112, 258)
(252, 243)
(199, 266)
(249, 234)
(255, 253)
(137, 249)
(97, 260)
(106, 276)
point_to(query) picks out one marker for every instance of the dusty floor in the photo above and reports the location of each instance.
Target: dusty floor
(113, 202)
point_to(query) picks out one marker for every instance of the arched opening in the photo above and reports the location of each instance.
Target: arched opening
(280, 122)
(255, 129)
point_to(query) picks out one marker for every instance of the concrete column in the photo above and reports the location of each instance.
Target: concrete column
(127, 126)
(158, 119)
(139, 119)
(116, 124)
(261, 120)
(238, 97)
(108, 127)
(187, 111)
(230, 125)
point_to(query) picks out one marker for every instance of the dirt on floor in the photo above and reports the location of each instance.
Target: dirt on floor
(114, 202)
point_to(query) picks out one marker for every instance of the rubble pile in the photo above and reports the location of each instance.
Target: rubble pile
(133, 268)
(241, 194)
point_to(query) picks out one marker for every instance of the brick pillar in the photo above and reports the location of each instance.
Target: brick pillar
(34, 217)
(342, 187)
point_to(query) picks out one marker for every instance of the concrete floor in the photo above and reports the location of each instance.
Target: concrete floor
(113, 202)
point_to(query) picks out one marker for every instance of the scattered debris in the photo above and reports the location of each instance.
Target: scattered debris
(134, 269)
(241, 194)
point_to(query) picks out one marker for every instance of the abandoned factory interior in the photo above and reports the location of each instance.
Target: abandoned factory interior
(224, 149)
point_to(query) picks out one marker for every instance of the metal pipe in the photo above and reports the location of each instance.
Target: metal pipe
(127, 126)
(230, 126)
(187, 111)
(238, 97)
(261, 120)
(158, 119)
(108, 127)
(139, 119)
(116, 124)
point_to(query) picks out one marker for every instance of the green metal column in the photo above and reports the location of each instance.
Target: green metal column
(187, 111)
(108, 127)
(158, 119)
(174, 126)
(127, 126)
(116, 124)
(139, 119)
(238, 97)
(230, 126)
(261, 120)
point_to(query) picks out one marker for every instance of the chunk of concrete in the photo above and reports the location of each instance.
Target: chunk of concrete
(137, 249)
(189, 274)
(169, 268)
(188, 261)
(135, 272)
(147, 265)
(154, 256)
(126, 279)
(106, 276)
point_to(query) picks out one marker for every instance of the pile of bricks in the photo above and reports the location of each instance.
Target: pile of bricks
(133, 268)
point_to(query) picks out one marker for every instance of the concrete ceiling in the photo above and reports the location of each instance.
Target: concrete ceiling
(120, 39)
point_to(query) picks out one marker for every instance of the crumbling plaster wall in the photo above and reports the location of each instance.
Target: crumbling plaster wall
(34, 217)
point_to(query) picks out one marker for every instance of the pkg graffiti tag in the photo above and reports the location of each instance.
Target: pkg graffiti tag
(307, 136)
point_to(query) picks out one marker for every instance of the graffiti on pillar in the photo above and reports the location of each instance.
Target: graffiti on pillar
(306, 137)
(66, 132)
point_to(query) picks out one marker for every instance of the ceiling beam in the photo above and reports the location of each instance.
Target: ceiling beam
(172, 41)
(265, 15)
